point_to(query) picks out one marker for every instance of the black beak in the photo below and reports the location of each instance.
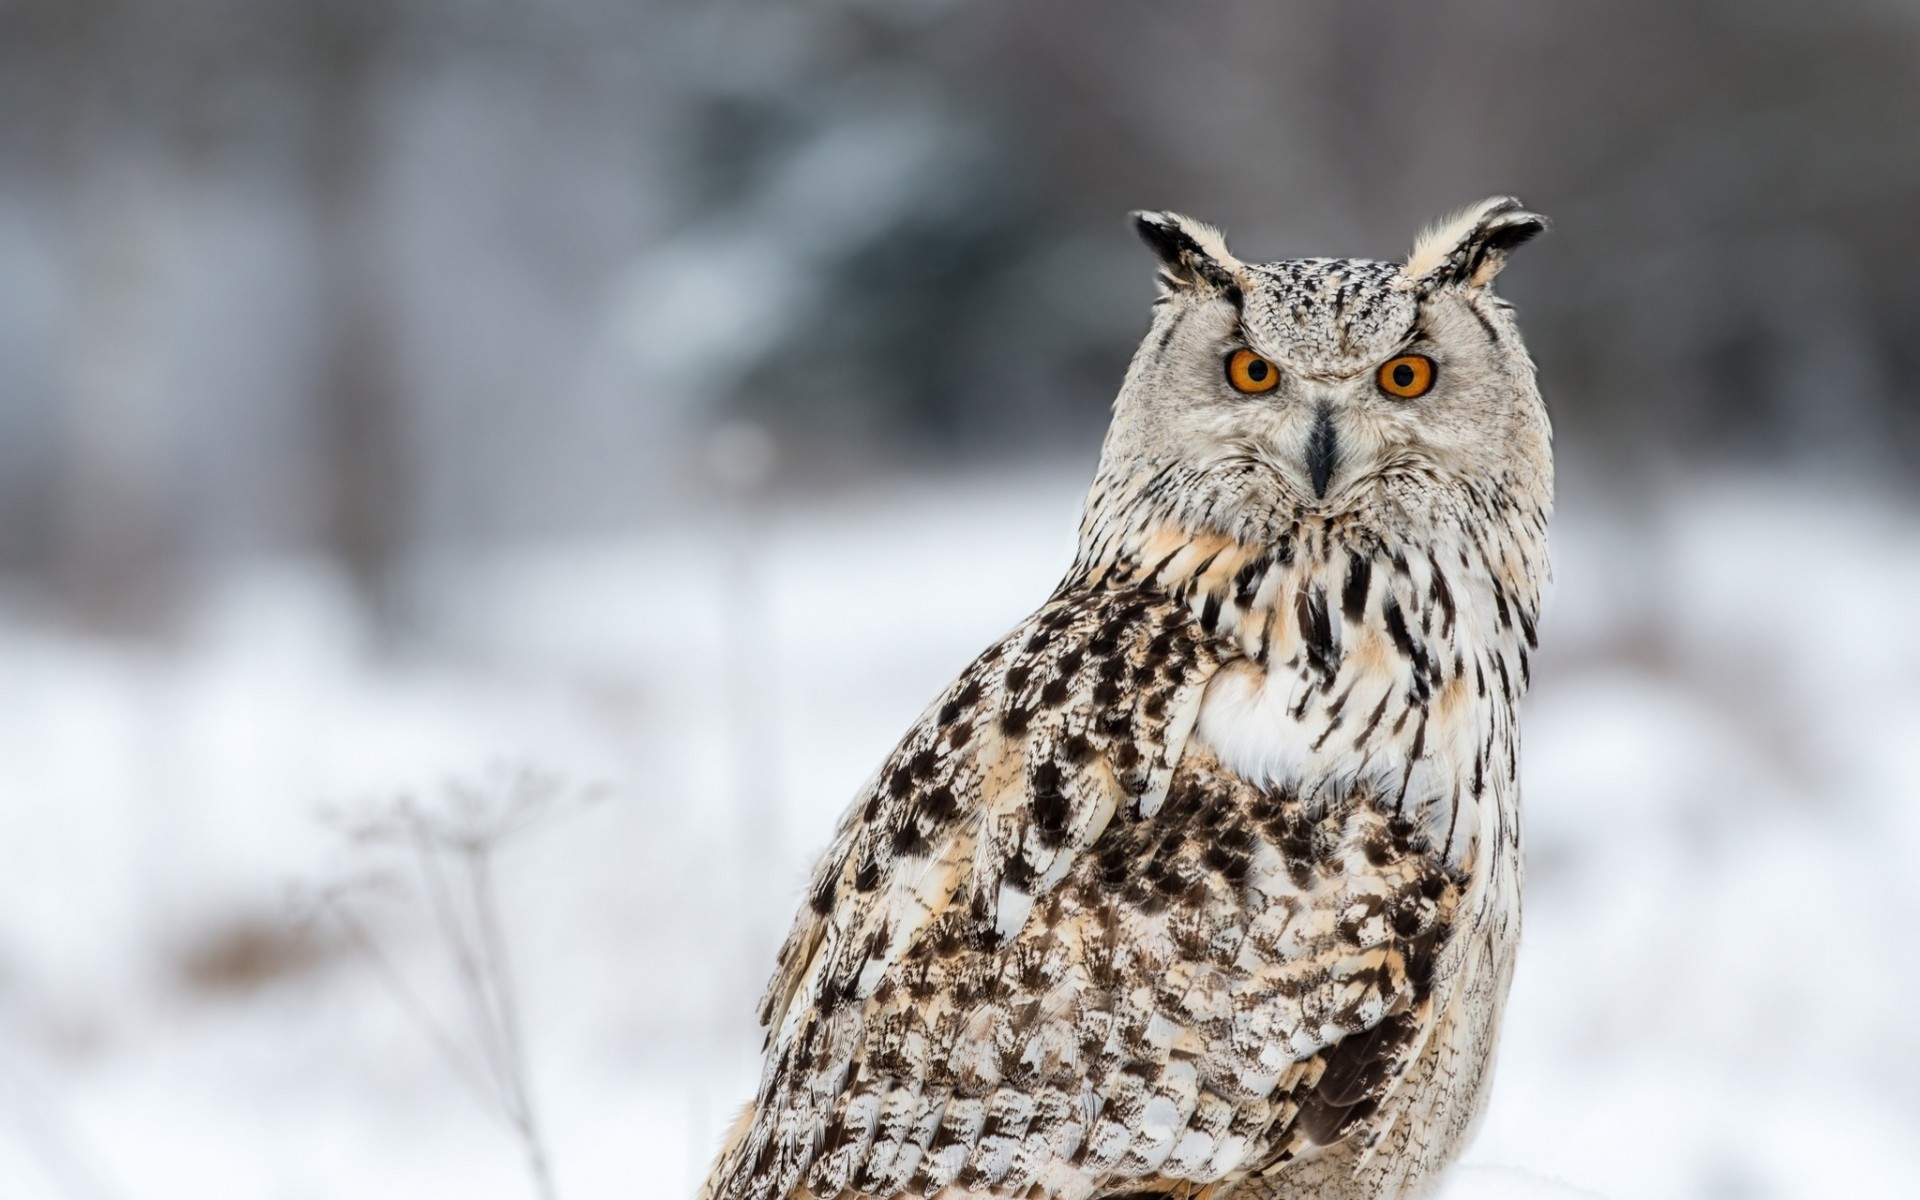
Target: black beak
(1322, 452)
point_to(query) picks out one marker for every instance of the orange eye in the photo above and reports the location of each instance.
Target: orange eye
(1408, 376)
(1248, 372)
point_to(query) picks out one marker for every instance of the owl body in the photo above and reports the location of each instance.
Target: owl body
(1205, 880)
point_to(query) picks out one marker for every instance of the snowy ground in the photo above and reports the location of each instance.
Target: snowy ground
(1713, 1001)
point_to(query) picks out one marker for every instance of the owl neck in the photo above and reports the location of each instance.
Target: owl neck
(1454, 596)
(1448, 573)
(1391, 658)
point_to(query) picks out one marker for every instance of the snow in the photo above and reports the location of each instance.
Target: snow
(1474, 1182)
(1713, 991)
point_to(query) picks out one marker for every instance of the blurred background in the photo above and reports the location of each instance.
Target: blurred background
(668, 397)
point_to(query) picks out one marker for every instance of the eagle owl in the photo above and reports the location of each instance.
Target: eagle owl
(1205, 881)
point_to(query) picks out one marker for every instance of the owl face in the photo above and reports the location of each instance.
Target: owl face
(1333, 385)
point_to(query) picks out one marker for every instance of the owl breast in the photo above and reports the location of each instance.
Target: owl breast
(1374, 667)
(1381, 674)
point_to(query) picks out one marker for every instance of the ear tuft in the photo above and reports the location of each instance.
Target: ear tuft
(1194, 254)
(1471, 246)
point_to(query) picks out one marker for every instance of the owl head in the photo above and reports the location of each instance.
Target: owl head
(1265, 392)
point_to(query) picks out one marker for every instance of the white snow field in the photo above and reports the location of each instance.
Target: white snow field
(1714, 998)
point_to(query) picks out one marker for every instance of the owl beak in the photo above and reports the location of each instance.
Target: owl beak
(1323, 451)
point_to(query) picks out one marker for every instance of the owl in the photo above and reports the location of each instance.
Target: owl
(1205, 880)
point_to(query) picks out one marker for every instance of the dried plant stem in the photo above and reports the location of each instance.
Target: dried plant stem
(453, 860)
(409, 1000)
(50, 1136)
(499, 971)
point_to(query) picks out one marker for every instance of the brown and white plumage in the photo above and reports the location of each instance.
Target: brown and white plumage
(1205, 880)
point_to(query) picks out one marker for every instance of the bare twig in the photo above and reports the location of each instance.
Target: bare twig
(500, 971)
(452, 852)
(416, 1009)
(52, 1139)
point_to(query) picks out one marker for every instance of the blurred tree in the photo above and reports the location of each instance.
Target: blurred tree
(364, 434)
(369, 277)
(1724, 176)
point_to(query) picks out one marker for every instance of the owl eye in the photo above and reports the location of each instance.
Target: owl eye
(1408, 376)
(1248, 372)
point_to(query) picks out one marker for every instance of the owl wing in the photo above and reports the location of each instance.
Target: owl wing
(1051, 946)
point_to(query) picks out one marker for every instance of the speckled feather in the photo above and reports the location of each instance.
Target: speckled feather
(1205, 879)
